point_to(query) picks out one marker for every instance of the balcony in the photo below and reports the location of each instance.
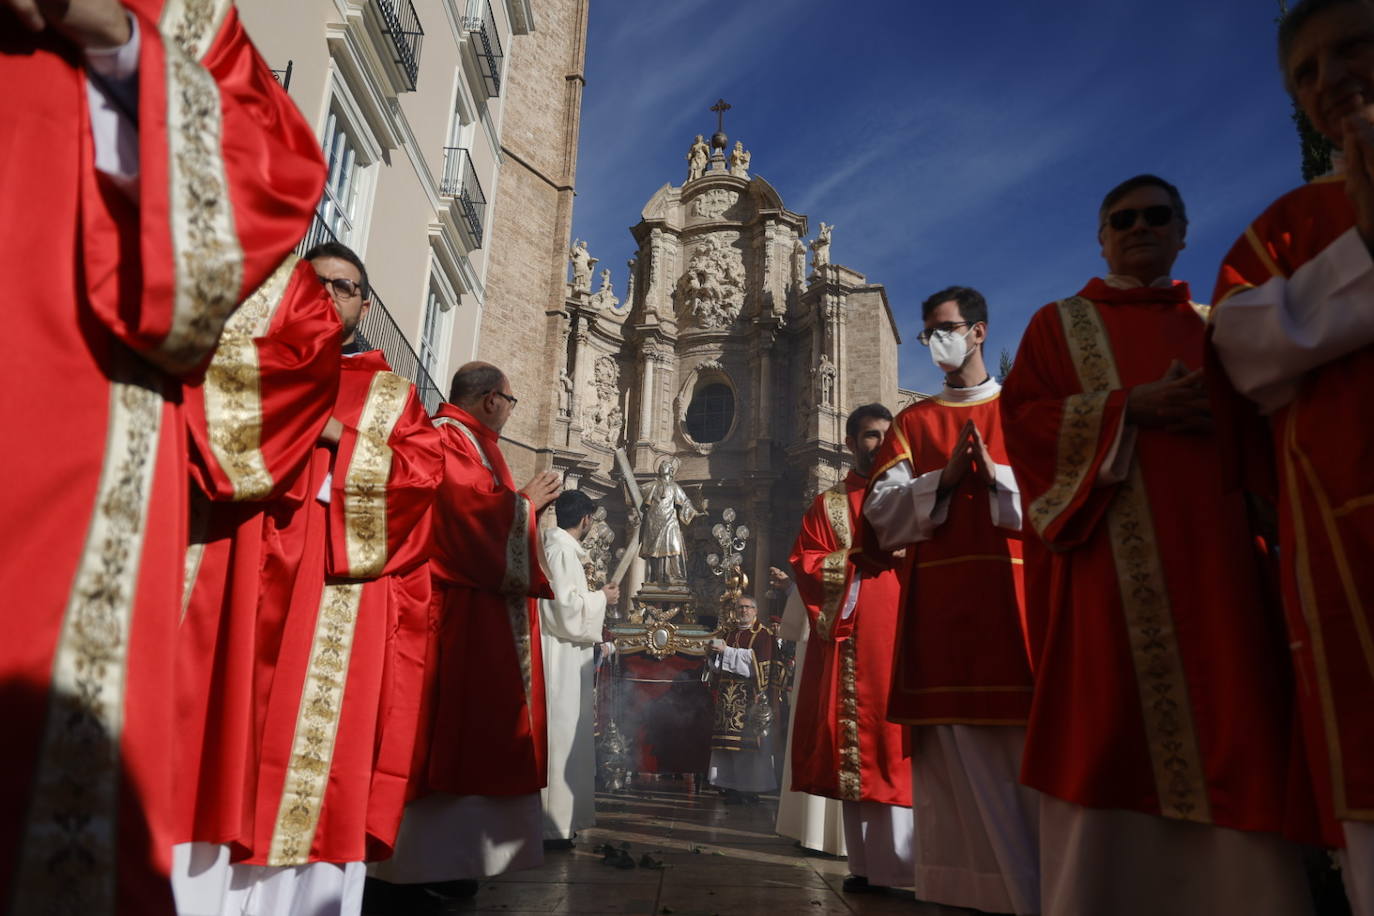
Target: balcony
(379, 331)
(284, 76)
(403, 32)
(460, 184)
(481, 27)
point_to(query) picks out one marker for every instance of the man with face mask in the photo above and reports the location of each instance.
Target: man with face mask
(943, 489)
(1294, 329)
(1161, 663)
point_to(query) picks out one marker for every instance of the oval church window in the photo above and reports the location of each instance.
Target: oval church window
(711, 412)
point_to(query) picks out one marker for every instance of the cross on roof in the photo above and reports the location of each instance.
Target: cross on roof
(720, 108)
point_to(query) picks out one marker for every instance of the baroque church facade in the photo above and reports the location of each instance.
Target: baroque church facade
(728, 352)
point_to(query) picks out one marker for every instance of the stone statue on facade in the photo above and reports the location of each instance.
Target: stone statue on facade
(665, 511)
(604, 298)
(825, 380)
(629, 282)
(582, 264)
(739, 160)
(565, 393)
(798, 262)
(820, 248)
(697, 158)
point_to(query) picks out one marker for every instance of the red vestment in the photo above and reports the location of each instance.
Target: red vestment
(842, 744)
(1162, 686)
(254, 423)
(1322, 455)
(487, 731)
(740, 723)
(119, 297)
(362, 579)
(961, 654)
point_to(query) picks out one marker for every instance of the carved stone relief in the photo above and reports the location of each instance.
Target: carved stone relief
(712, 288)
(712, 204)
(602, 417)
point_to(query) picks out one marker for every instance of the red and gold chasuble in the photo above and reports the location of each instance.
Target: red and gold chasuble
(362, 574)
(120, 297)
(1325, 502)
(254, 422)
(961, 654)
(487, 734)
(1163, 684)
(842, 744)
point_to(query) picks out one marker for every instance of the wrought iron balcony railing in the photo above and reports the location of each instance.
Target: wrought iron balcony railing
(460, 182)
(481, 26)
(378, 330)
(402, 27)
(284, 76)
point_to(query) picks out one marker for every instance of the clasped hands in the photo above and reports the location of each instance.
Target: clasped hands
(1357, 144)
(1177, 402)
(970, 453)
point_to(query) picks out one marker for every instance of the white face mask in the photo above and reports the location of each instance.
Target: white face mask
(950, 350)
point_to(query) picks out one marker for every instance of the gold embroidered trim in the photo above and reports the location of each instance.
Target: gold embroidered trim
(193, 24)
(206, 253)
(835, 566)
(317, 726)
(1081, 426)
(198, 531)
(369, 468)
(851, 762)
(516, 587)
(233, 396)
(69, 858)
(1166, 709)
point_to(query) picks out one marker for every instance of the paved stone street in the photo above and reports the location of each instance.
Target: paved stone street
(717, 859)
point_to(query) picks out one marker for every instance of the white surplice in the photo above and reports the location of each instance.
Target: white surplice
(812, 820)
(1131, 864)
(450, 837)
(204, 883)
(570, 625)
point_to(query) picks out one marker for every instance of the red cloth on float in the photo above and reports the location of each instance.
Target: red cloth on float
(961, 655)
(1163, 685)
(847, 673)
(112, 288)
(361, 573)
(254, 423)
(487, 733)
(1317, 476)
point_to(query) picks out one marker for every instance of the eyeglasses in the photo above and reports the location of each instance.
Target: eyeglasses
(949, 326)
(342, 286)
(1158, 215)
(502, 394)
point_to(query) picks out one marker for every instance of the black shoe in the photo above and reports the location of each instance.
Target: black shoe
(382, 898)
(858, 884)
(734, 798)
(460, 889)
(561, 844)
(751, 798)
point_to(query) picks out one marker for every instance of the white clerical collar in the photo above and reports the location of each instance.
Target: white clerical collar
(581, 551)
(981, 392)
(1121, 281)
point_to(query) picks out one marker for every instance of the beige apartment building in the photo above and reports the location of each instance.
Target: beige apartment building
(411, 99)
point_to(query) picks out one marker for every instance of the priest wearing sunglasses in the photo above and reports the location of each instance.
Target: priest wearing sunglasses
(1158, 732)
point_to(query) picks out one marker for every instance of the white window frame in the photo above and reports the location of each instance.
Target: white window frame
(341, 115)
(436, 323)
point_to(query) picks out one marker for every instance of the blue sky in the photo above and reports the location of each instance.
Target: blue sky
(965, 142)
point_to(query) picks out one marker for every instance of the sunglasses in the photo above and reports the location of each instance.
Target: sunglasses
(1158, 215)
(342, 285)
